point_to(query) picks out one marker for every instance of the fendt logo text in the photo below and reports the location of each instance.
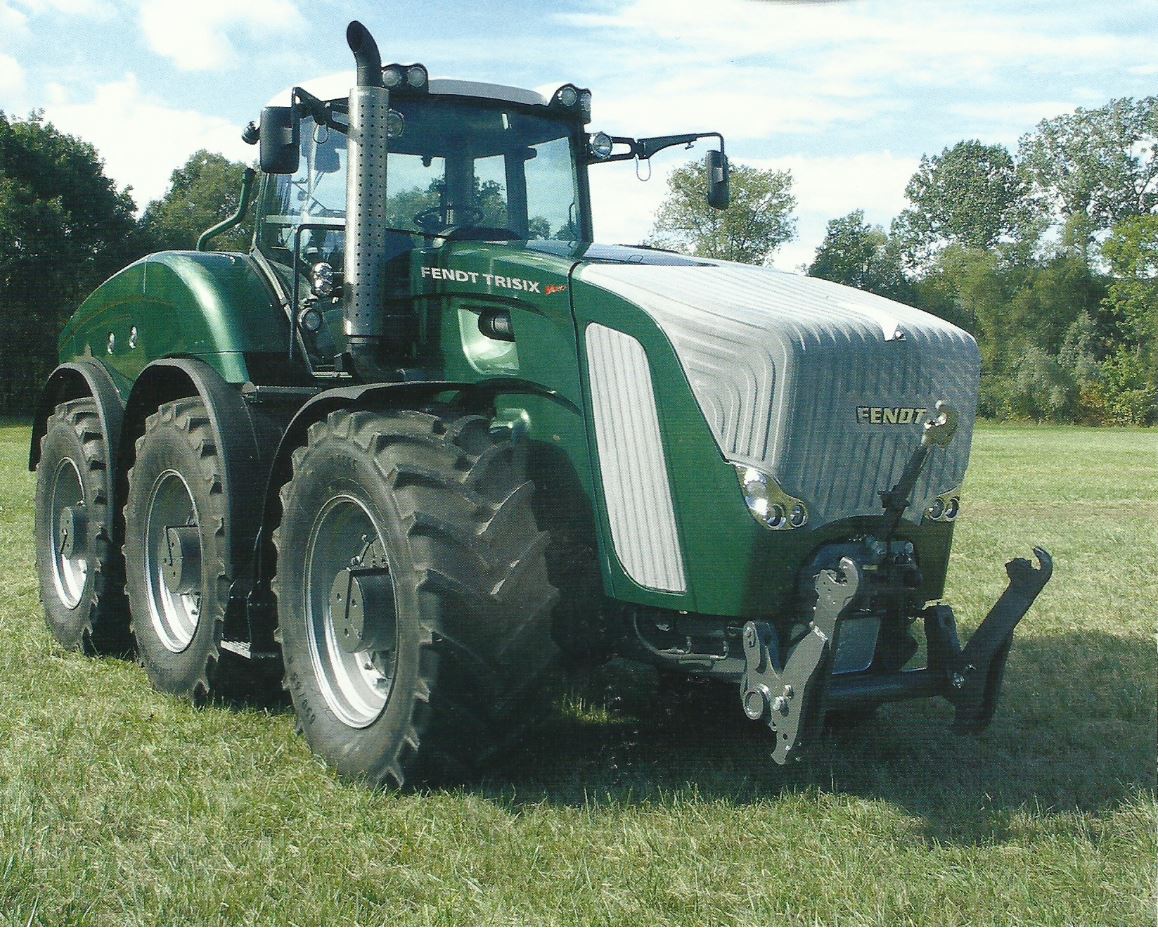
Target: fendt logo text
(889, 415)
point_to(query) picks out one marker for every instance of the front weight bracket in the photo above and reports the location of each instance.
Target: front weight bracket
(789, 694)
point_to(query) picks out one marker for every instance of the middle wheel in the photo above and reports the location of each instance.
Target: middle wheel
(414, 608)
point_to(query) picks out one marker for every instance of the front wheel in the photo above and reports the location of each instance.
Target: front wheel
(413, 602)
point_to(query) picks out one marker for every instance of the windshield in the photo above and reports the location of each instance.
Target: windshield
(488, 166)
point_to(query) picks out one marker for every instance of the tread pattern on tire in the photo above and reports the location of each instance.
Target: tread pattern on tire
(190, 420)
(101, 626)
(480, 576)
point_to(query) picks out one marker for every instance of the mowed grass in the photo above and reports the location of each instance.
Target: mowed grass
(120, 805)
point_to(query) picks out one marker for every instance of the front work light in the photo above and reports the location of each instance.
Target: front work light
(574, 99)
(405, 77)
(768, 504)
(416, 76)
(600, 145)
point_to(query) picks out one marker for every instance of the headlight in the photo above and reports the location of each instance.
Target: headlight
(600, 145)
(322, 279)
(768, 504)
(568, 95)
(392, 76)
(416, 76)
(946, 507)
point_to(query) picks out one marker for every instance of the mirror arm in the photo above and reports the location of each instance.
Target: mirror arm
(645, 148)
(322, 112)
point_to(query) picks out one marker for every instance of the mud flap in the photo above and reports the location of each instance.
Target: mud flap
(972, 674)
(789, 694)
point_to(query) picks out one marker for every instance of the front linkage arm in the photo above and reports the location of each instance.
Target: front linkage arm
(970, 677)
(789, 694)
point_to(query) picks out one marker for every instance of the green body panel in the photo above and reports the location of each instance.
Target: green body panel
(219, 308)
(213, 306)
(734, 566)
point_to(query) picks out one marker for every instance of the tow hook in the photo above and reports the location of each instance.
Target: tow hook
(789, 694)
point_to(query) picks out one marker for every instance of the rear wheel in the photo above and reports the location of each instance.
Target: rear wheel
(413, 602)
(175, 550)
(79, 567)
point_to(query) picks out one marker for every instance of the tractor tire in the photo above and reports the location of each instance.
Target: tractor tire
(175, 541)
(428, 520)
(79, 566)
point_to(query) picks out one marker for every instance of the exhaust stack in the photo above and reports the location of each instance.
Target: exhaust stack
(364, 289)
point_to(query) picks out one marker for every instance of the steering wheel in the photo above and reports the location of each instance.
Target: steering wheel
(433, 218)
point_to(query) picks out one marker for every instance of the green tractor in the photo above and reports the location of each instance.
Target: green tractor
(427, 443)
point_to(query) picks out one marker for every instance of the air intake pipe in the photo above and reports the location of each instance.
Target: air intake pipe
(367, 328)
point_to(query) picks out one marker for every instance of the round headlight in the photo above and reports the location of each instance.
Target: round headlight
(395, 124)
(600, 145)
(568, 95)
(416, 76)
(392, 76)
(310, 320)
(798, 516)
(322, 279)
(937, 509)
(952, 508)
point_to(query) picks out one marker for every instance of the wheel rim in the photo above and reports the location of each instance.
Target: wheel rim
(174, 611)
(356, 684)
(67, 534)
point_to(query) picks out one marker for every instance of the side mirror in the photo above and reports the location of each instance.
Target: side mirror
(718, 192)
(280, 142)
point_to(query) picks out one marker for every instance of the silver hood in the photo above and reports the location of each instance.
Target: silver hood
(780, 365)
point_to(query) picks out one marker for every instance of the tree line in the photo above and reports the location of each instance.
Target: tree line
(1047, 255)
(65, 228)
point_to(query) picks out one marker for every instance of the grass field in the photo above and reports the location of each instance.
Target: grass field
(120, 805)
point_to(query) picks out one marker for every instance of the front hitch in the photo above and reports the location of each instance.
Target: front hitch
(791, 693)
(971, 676)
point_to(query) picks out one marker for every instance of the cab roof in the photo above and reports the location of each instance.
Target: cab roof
(337, 86)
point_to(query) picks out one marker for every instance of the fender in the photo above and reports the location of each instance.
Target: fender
(243, 436)
(72, 381)
(376, 395)
(363, 396)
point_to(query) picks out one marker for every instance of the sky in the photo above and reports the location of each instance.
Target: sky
(847, 94)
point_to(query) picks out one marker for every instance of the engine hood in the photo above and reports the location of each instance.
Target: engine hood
(823, 387)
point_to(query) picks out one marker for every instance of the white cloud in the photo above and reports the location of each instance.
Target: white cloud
(861, 49)
(11, 77)
(197, 37)
(100, 8)
(12, 21)
(141, 139)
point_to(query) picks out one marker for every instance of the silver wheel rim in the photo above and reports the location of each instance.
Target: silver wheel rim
(356, 685)
(174, 616)
(69, 572)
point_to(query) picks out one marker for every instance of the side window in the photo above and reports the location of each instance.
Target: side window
(490, 193)
(552, 207)
(315, 197)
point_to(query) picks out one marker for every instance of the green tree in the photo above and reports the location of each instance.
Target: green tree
(758, 221)
(64, 227)
(1101, 164)
(861, 256)
(201, 193)
(1129, 374)
(969, 195)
